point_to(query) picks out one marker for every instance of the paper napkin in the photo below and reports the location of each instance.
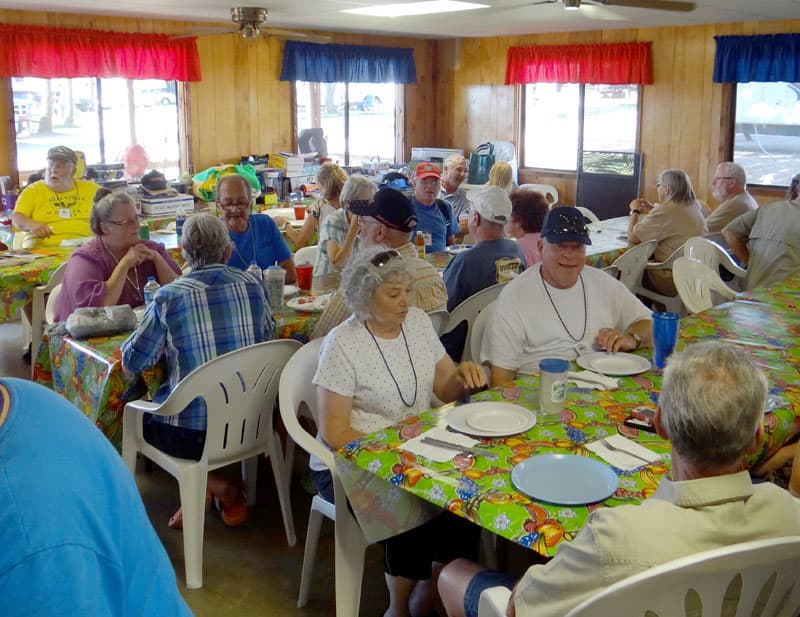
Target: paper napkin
(590, 379)
(619, 459)
(437, 453)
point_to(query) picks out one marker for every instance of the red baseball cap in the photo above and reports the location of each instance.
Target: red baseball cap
(427, 170)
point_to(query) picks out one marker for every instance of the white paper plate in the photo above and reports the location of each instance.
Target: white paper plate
(564, 479)
(288, 290)
(455, 249)
(491, 419)
(619, 363)
(309, 304)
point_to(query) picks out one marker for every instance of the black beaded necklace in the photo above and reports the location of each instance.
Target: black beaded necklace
(386, 364)
(555, 308)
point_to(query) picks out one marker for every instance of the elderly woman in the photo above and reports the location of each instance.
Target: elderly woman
(528, 209)
(380, 366)
(330, 179)
(255, 237)
(678, 217)
(112, 268)
(339, 232)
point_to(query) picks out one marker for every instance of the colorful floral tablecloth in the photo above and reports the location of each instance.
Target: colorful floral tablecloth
(609, 241)
(18, 282)
(379, 476)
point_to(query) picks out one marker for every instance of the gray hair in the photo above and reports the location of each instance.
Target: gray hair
(204, 241)
(712, 402)
(227, 178)
(735, 171)
(679, 186)
(103, 207)
(454, 160)
(357, 187)
(361, 278)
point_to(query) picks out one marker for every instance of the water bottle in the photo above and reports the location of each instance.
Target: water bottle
(254, 270)
(150, 289)
(180, 219)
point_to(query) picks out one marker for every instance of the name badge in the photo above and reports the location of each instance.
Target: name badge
(64, 213)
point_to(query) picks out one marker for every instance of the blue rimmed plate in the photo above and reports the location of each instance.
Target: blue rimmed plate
(564, 479)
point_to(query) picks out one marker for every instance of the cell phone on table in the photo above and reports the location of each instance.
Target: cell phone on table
(643, 419)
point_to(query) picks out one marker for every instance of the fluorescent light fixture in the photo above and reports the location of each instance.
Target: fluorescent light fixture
(416, 8)
(572, 5)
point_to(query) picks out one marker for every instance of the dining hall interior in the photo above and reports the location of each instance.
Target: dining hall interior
(460, 99)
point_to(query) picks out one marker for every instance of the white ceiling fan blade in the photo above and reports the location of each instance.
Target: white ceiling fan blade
(293, 34)
(660, 5)
(594, 11)
(202, 32)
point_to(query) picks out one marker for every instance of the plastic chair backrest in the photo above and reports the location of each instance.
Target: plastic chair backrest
(548, 190)
(50, 306)
(695, 281)
(439, 320)
(480, 324)
(588, 214)
(712, 254)
(768, 571)
(629, 267)
(506, 151)
(306, 255)
(468, 310)
(239, 389)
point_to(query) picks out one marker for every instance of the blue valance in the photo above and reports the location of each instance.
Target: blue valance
(348, 63)
(761, 57)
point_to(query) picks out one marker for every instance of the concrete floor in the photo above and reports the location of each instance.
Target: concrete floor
(249, 570)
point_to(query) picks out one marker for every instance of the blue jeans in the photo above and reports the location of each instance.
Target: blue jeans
(484, 580)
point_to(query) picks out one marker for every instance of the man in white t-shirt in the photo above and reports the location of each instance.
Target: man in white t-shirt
(561, 307)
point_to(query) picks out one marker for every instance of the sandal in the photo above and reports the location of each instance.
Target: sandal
(233, 513)
(176, 520)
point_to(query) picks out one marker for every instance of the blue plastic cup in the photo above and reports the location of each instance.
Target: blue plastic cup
(665, 336)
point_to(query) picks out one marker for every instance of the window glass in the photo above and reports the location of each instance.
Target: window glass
(767, 131)
(357, 120)
(100, 117)
(554, 134)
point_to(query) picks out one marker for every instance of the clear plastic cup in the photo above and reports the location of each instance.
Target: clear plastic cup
(552, 387)
(274, 280)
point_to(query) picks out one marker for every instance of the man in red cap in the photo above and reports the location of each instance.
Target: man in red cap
(435, 218)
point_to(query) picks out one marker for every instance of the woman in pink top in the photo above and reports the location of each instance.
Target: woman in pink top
(528, 209)
(113, 267)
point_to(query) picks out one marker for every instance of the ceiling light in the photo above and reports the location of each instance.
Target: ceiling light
(572, 5)
(416, 8)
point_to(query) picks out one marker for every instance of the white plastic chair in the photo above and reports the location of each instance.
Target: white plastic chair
(714, 255)
(480, 324)
(588, 214)
(695, 282)
(297, 395)
(439, 319)
(306, 255)
(239, 389)
(468, 311)
(548, 190)
(663, 590)
(506, 151)
(629, 267)
(39, 302)
(672, 304)
(50, 306)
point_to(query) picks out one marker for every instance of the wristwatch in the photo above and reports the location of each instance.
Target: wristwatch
(636, 338)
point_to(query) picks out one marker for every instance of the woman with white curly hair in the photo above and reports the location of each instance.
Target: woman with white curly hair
(380, 366)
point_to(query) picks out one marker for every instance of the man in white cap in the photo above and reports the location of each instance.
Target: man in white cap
(56, 208)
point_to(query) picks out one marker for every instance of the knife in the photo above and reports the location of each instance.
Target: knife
(454, 446)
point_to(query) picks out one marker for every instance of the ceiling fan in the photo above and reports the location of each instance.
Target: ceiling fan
(660, 5)
(251, 22)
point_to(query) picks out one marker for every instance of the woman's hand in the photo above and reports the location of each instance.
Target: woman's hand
(452, 382)
(138, 254)
(472, 376)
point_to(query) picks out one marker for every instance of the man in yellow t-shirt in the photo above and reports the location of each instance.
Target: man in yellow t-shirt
(56, 208)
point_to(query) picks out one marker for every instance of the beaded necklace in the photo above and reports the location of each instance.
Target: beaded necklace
(134, 283)
(555, 308)
(386, 364)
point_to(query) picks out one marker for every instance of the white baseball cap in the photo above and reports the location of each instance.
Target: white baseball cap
(493, 204)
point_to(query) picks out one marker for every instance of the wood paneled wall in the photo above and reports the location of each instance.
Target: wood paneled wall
(684, 114)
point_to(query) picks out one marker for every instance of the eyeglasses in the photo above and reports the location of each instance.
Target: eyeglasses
(384, 257)
(242, 205)
(430, 180)
(123, 222)
(722, 178)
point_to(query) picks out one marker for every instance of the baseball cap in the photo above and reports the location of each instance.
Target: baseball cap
(493, 204)
(427, 169)
(62, 153)
(154, 182)
(390, 207)
(565, 224)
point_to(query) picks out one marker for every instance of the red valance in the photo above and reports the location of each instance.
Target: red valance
(34, 51)
(614, 63)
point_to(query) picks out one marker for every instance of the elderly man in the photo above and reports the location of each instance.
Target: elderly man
(560, 307)
(435, 220)
(210, 311)
(711, 410)
(255, 237)
(389, 220)
(729, 187)
(767, 242)
(56, 208)
(454, 172)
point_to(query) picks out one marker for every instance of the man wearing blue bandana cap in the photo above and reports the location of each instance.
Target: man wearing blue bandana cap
(561, 307)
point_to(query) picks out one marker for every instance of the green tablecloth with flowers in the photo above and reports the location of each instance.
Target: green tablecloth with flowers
(18, 282)
(379, 476)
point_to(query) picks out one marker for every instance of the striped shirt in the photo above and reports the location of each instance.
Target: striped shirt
(204, 314)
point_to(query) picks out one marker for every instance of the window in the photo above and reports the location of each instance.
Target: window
(100, 117)
(357, 119)
(562, 120)
(767, 131)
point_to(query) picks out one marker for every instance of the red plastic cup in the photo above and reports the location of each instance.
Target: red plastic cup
(304, 272)
(300, 212)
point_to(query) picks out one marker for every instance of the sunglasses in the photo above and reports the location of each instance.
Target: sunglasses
(382, 258)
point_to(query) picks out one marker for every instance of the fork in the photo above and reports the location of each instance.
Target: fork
(614, 448)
